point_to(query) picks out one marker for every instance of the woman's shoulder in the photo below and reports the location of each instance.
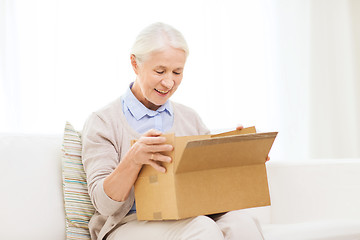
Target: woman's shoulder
(183, 109)
(111, 108)
(107, 114)
(188, 120)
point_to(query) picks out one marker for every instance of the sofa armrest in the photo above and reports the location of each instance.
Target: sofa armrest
(31, 190)
(319, 189)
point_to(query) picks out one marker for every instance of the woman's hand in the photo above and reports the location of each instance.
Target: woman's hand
(148, 150)
(239, 127)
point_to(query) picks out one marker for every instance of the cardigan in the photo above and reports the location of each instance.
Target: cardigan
(106, 138)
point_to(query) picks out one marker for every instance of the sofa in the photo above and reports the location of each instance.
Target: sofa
(310, 199)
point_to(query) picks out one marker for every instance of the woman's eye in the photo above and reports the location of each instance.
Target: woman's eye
(177, 73)
(159, 72)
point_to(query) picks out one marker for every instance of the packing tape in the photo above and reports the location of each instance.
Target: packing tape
(157, 215)
(153, 179)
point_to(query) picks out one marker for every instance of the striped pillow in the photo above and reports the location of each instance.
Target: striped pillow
(78, 206)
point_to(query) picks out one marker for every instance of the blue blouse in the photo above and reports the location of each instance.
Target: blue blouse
(142, 119)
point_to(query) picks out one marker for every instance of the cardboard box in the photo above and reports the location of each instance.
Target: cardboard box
(209, 174)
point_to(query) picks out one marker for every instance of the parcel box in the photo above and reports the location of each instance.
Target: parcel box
(209, 174)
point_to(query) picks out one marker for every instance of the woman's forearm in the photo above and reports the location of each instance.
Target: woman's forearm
(119, 183)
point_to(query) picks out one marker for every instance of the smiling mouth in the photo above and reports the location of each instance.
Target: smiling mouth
(162, 92)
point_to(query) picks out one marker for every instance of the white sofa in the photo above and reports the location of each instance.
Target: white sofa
(317, 199)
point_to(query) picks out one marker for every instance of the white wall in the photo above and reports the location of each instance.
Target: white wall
(281, 65)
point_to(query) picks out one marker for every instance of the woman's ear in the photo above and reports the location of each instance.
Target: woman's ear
(134, 63)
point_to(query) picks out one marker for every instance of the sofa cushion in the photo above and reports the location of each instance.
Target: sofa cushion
(316, 189)
(31, 197)
(78, 206)
(314, 230)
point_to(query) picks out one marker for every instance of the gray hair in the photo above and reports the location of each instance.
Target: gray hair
(155, 38)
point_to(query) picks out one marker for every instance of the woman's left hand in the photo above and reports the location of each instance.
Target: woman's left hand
(239, 127)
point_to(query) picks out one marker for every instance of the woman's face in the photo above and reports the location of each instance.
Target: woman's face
(158, 76)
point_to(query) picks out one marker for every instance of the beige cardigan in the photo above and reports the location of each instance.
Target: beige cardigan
(106, 139)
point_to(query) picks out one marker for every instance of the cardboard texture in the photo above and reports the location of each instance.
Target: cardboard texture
(209, 174)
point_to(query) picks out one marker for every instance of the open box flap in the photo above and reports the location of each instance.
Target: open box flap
(181, 142)
(236, 132)
(228, 151)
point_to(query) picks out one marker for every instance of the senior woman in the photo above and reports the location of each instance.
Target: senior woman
(144, 112)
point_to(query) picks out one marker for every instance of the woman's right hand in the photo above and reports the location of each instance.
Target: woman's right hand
(148, 150)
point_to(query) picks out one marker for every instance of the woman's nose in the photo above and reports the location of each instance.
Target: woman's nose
(167, 82)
